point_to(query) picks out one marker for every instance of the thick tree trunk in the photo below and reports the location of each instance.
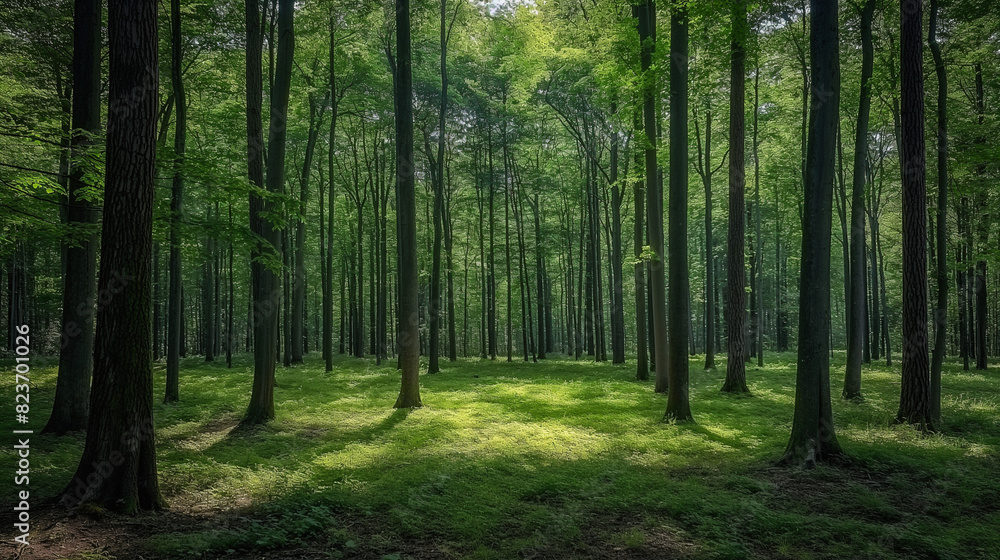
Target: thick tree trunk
(813, 438)
(914, 398)
(118, 467)
(70, 407)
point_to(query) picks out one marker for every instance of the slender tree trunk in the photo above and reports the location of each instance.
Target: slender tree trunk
(813, 438)
(406, 216)
(736, 377)
(983, 210)
(639, 198)
(174, 306)
(266, 284)
(678, 406)
(759, 251)
(111, 473)
(914, 401)
(857, 326)
(71, 404)
(941, 311)
(654, 199)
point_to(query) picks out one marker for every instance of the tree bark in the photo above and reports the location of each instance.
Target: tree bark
(406, 216)
(941, 311)
(914, 398)
(813, 438)
(857, 326)
(71, 404)
(654, 199)
(678, 405)
(736, 376)
(174, 304)
(118, 467)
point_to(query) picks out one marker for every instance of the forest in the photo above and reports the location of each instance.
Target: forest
(406, 279)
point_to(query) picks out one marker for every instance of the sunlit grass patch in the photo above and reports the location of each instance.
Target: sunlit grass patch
(559, 459)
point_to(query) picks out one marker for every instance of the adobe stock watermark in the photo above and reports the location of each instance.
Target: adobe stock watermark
(22, 398)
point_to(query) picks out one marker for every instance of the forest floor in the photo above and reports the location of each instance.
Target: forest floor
(558, 459)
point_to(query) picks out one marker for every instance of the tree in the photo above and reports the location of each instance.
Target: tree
(638, 197)
(703, 165)
(857, 324)
(406, 216)
(736, 375)
(654, 199)
(118, 467)
(813, 438)
(172, 392)
(266, 255)
(70, 407)
(678, 406)
(914, 400)
(941, 235)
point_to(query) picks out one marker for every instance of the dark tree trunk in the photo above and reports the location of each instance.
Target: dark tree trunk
(70, 407)
(543, 328)
(941, 311)
(914, 401)
(208, 297)
(813, 438)
(174, 294)
(299, 283)
(406, 216)
(639, 199)
(678, 406)
(118, 467)
(654, 199)
(736, 376)
(704, 167)
(857, 326)
(266, 285)
(983, 209)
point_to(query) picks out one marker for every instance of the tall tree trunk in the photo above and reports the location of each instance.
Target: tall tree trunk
(406, 216)
(639, 198)
(299, 283)
(983, 210)
(330, 200)
(70, 407)
(230, 338)
(266, 285)
(857, 326)
(813, 438)
(543, 328)
(208, 296)
(941, 311)
(705, 170)
(678, 406)
(654, 199)
(118, 467)
(759, 250)
(617, 285)
(914, 400)
(736, 376)
(174, 304)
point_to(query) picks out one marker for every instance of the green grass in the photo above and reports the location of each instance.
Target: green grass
(558, 459)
